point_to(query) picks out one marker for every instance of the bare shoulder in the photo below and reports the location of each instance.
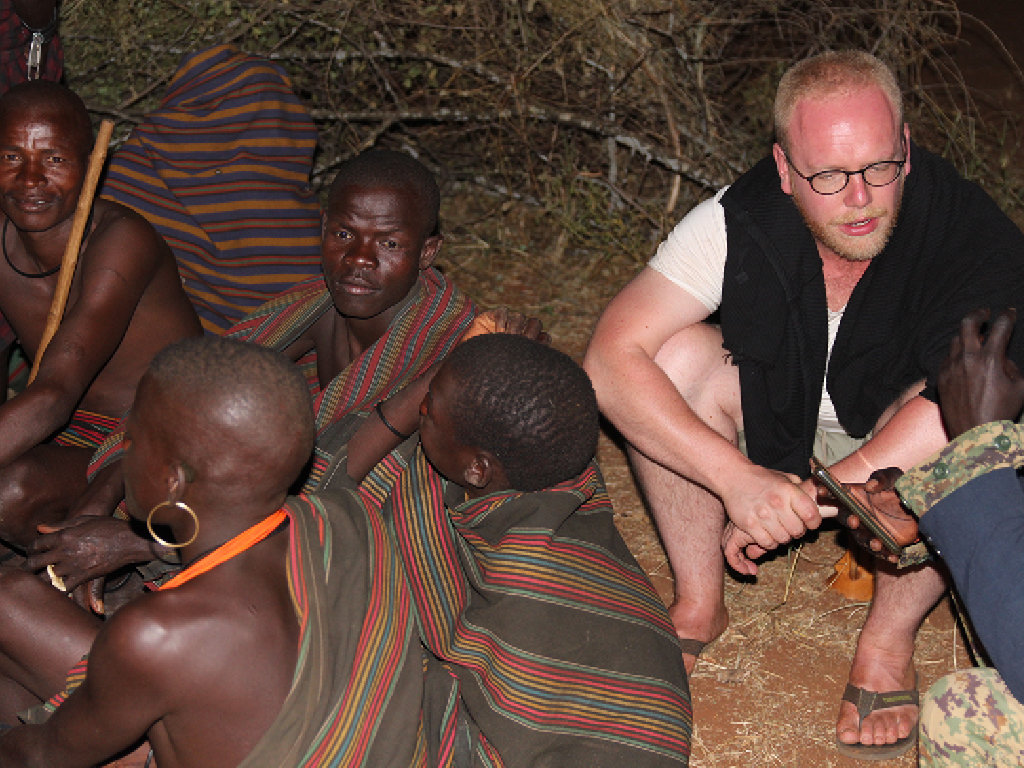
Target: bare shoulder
(121, 232)
(143, 665)
(109, 213)
(145, 632)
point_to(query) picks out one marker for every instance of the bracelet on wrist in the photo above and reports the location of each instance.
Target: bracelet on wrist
(387, 423)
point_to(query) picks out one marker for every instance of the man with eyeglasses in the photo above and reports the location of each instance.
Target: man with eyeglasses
(839, 278)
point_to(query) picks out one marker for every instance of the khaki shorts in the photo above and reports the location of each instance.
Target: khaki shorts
(829, 447)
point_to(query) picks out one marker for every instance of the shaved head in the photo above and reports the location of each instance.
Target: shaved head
(233, 408)
(51, 101)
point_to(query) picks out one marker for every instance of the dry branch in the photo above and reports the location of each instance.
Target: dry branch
(532, 95)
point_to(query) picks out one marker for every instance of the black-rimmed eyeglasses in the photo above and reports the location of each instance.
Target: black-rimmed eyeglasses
(879, 174)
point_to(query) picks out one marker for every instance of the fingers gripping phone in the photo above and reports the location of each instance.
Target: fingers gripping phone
(854, 506)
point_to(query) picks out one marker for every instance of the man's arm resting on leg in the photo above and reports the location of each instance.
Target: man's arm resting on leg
(643, 402)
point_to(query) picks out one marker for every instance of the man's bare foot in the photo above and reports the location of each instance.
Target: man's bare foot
(695, 624)
(880, 671)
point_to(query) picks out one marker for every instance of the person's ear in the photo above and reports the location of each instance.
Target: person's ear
(906, 145)
(180, 475)
(479, 470)
(783, 167)
(323, 225)
(430, 249)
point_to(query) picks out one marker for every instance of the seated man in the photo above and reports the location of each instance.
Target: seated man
(126, 303)
(378, 317)
(546, 643)
(839, 276)
(380, 314)
(287, 639)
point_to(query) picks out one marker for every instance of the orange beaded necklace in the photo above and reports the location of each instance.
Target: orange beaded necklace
(243, 541)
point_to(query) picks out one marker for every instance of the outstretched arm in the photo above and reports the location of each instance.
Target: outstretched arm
(978, 383)
(374, 440)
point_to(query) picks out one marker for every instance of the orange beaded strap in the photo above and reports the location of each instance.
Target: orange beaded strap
(250, 537)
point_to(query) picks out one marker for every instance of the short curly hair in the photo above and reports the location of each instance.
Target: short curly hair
(394, 170)
(531, 406)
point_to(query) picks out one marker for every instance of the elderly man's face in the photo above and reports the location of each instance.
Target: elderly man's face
(845, 133)
(41, 168)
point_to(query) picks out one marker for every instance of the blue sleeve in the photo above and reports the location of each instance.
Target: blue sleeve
(978, 531)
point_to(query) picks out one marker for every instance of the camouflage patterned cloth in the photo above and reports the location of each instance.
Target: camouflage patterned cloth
(985, 448)
(970, 718)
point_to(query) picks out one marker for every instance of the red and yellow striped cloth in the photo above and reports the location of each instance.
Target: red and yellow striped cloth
(357, 691)
(544, 632)
(86, 429)
(428, 326)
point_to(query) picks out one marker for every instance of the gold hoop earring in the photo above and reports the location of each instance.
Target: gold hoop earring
(179, 505)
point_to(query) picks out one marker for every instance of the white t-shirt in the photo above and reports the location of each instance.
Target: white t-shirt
(693, 257)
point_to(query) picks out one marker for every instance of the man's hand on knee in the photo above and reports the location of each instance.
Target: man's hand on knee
(770, 507)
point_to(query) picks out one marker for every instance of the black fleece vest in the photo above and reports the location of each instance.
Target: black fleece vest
(952, 251)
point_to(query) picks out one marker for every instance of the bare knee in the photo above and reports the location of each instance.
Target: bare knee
(15, 503)
(699, 366)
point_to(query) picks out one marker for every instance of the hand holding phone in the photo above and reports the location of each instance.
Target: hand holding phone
(890, 531)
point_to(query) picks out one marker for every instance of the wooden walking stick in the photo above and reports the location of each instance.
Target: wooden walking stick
(70, 260)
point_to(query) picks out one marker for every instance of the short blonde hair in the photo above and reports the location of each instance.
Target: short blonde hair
(833, 73)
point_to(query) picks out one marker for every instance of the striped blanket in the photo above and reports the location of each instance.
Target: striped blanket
(431, 322)
(356, 695)
(549, 644)
(86, 429)
(221, 169)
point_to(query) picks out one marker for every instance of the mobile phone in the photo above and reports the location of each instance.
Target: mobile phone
(854, 506)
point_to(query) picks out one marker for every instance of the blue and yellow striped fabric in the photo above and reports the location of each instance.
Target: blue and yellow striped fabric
(221, 169)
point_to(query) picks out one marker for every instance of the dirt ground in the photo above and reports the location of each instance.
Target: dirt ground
(767, 692)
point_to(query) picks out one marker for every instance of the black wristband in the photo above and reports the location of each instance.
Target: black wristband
(387, 423)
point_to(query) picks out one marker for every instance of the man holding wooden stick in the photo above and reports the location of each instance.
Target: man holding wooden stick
(124, 304)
